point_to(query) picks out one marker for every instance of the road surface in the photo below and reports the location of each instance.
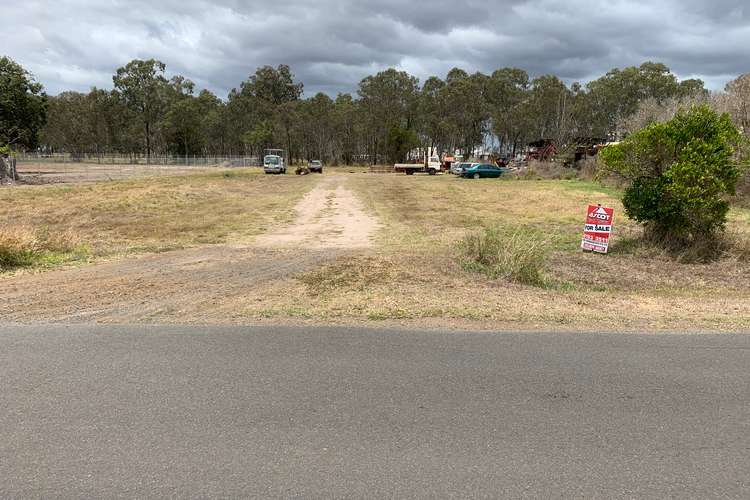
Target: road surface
(117, 411)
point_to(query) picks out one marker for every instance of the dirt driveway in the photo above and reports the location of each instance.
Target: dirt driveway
(197, 285)
(330, 216)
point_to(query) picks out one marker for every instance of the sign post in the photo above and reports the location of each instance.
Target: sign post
(598, 229)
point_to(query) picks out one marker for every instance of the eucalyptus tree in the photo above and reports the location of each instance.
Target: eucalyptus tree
(617, 95)
(349, 129)
(468, 114)
(317, 127)
(550, 107)
(23, 105)
(738, 102)
(214, 125)
(67, 127)
(433, 110)
(262, 101)
(141, 85)
(389, 100)
(506, 91)
(183, 127)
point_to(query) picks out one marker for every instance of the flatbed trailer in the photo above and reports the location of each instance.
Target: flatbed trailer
(431, 167)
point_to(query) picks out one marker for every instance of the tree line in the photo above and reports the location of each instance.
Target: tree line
(147, 113)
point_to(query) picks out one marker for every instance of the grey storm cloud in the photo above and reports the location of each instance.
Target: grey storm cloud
(332, 44)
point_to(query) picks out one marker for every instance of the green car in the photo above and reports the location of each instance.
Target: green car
(484, 170)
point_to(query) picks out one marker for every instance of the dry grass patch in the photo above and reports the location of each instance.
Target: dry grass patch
(22, 246)
(431, 216)
(351, 274)
(143, 215)
(424, 212)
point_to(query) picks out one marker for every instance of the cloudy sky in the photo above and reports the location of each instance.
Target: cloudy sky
(332, 44)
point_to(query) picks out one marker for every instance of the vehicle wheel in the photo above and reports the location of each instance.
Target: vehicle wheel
(477, 176)
(432, 171)
(410, 172)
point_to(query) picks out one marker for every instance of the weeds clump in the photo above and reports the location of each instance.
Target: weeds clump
(549, 170)
(723, 245)
(742, 196)
(589, 169)
(21, 246)
(520, 257)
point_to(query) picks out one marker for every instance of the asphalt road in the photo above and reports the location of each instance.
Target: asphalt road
(103, 412)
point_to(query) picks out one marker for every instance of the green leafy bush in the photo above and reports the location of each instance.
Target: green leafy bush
(680, 174)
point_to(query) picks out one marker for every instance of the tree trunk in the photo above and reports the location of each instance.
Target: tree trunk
(289, 146)
(148, 143)
(8, 171)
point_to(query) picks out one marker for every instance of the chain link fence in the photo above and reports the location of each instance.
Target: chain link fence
(39, 168)
(137, 159)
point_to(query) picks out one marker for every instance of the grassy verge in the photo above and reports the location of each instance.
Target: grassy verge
(151, 214)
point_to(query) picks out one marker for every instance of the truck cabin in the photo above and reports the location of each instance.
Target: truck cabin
(271, 161)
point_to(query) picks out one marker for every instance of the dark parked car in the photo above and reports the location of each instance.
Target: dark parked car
(484, 170)
(460, 167)
(315, 166)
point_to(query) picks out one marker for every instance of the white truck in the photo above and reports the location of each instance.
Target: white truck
(273, 161)
(431, 165)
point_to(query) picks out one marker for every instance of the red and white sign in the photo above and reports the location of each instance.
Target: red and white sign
(598, 229)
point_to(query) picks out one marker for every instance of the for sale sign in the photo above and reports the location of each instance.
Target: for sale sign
(598, 229)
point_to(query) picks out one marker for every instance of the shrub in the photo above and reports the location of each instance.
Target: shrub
(679, 174)
(519, 257)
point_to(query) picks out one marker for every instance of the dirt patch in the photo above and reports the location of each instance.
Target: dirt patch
(329, 216)
(188, 285)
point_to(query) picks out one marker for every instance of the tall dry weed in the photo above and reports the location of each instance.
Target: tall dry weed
(519, 257)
